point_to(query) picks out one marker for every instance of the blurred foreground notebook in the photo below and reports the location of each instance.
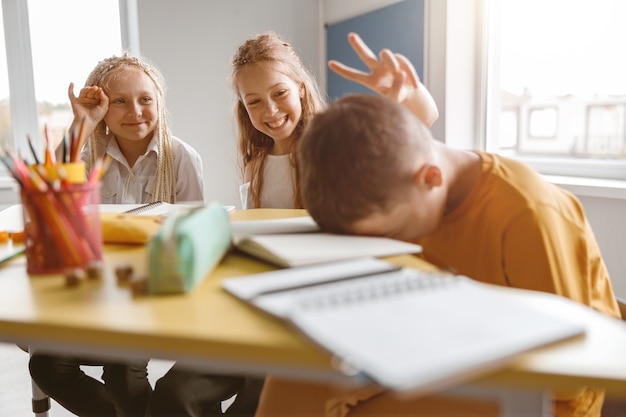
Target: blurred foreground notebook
(297, 241)
(402, 328)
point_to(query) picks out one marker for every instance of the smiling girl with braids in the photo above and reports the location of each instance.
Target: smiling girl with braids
(123, 111)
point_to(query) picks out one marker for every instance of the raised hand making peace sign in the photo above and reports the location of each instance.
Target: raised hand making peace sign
(391, 75)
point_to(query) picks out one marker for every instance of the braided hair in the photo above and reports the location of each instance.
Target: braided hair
(164, 185)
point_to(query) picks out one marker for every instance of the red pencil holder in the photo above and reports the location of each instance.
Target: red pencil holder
(62, 228)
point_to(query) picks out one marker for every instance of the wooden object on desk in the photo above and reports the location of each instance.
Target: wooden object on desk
(208, 328)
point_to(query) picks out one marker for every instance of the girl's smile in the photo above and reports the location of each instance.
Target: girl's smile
(272, 100)
(278, 123)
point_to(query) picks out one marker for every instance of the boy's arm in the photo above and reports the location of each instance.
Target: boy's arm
(392, 76)
(422, 104)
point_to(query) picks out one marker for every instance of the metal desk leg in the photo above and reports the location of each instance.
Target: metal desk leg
(40, 401)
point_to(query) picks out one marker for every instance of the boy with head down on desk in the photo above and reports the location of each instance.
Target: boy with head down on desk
(369, 166)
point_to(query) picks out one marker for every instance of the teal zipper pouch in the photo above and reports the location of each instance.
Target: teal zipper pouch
(188, 246)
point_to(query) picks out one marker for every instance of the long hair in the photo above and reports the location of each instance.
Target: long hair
(164, 185)
(253, 145)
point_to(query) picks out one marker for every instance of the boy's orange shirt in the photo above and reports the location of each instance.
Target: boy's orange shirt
(516, 229)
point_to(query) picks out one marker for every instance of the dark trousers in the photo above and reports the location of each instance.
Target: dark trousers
(186, 393)
(125, 392)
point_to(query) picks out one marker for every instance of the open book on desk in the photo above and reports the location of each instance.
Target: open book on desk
(298, 241)
(403, 328)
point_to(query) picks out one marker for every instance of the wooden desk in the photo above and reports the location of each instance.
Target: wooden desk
(208, 328)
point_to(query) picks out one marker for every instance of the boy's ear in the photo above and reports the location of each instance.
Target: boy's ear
(429, 175)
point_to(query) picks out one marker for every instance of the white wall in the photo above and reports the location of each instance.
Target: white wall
(607, 217)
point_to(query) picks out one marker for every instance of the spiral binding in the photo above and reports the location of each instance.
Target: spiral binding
(374, 287)
(145, 208)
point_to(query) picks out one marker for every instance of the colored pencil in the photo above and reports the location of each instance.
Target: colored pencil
(32, 150)
(51, 158)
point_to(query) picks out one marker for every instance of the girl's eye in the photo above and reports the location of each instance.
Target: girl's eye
(281, 93)
(146, 100)
(118, 101)
(253, 102)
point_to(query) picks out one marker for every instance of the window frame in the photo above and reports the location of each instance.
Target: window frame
(20, 69)
(22, 99)
(592, 168)
(460, 74)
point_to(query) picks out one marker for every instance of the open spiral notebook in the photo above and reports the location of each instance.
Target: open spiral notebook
(403, 328)
(152, 209)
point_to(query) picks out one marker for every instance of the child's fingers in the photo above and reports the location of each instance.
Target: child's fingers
(347, 72)
(90, 92)
(388, 59)
(70, 92)
(362, 50)
(104, 99)
(91, 97)
(397, 92)
(408, 68)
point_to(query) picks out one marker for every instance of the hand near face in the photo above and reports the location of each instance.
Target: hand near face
(91, 104)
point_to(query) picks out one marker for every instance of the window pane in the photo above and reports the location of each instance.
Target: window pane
(68, 38)
(5, 109)
(562, 82)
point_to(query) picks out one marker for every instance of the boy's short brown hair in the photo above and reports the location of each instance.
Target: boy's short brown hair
(355, 157)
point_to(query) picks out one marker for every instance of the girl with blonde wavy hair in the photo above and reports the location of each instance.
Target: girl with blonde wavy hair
(121, 112)
(123, 108)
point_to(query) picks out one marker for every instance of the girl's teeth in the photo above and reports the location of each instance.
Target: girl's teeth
(278, 123)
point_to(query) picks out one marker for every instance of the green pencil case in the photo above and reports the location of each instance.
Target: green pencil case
(188, 246)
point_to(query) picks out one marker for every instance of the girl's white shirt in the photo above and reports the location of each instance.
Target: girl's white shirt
(278, 190)
(122, 184)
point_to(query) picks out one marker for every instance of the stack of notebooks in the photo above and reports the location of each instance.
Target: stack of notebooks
(402, 328)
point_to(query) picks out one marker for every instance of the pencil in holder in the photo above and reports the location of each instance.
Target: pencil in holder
(69, 172)
(62, 227)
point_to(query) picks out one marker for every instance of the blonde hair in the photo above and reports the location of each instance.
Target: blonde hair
(164, 185)
(254, 145)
